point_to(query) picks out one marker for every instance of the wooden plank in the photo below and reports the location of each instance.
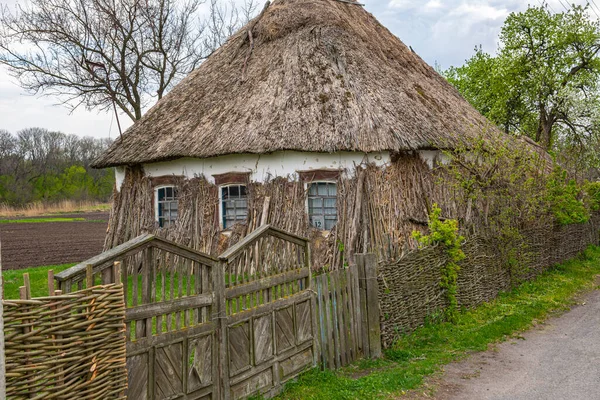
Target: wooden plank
(318, 310)
(170, 306)
(305, 295)
(357, 310)
(313, 305)
(184, 251)
(264, 283)
(351, 323)
(89, 276)
(147, 281)
(364, 322)
(235, 250)
(50, 284)
(329, 316)
(141, 346)
(109, 256)
(338, 303)
(219, 314)
(373, 306)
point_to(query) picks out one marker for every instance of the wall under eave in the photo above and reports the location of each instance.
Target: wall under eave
(380, 203)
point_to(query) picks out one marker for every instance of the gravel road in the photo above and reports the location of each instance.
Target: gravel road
(556, 360)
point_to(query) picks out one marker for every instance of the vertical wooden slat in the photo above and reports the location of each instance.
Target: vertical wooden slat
(134, 294)
(319, 310)
(373, 305)
(25, 294)
(107, 276)
(330, 321)
(350, 313)
(341, 322)
(50, 284)
(357, 309)
(149, 290)
(89, 276)
(171, 292)
(221, 331)
(206, 287)
(364, 323)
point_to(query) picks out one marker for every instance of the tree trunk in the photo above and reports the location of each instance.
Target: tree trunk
(544, 131)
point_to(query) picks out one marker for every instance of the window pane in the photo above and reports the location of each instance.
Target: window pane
(315, 203)
(329, 224)
(161, 194)
(332, 189)
(322, 189)
(330, 211)
(234, 205)
(312, 190)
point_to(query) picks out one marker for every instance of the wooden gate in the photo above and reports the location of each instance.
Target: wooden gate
(203, 327)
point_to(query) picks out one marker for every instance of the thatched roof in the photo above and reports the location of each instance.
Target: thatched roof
(315, 75)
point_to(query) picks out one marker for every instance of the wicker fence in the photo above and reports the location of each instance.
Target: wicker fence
(409, 288)
(66, 346)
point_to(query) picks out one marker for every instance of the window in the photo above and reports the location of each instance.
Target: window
(166, 206)
(322, 205)
(234, 205)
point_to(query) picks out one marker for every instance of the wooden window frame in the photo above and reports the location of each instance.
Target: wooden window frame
(222, 208)
(229, 179)
(308, 199)
(157, 202)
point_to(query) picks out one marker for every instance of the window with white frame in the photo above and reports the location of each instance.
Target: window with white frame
(166, 205)
(234, 205)
(322, 205)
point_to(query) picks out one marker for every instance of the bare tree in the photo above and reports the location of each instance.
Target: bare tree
(112, 53)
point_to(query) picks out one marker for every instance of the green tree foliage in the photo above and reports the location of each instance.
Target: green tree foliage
(564, 198)
(40, 165)
(543, 82)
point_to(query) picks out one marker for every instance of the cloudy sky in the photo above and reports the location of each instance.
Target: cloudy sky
(441, 31)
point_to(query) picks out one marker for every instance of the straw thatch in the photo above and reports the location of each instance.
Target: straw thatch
(307, 75)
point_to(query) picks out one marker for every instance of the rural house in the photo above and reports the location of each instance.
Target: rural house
(313, 118)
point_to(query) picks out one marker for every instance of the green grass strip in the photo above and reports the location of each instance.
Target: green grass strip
(425, 351)
(38, 277)
(41, 220)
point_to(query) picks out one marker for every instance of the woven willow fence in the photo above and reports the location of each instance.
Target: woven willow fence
(409, 288)
(66, 346)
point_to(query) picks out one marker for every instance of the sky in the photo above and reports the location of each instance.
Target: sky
(440, 31)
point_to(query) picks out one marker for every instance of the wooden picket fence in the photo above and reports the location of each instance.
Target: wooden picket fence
(348, 313)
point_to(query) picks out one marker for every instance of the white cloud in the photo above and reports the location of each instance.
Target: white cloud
(19, 110)
(434, 5)
(478, 12)
(403, 4)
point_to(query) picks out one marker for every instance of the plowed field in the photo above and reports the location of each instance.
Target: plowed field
(52, 243)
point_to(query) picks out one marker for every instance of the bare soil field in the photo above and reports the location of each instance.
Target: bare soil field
(51, 243)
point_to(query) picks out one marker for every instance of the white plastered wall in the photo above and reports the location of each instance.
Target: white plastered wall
(266, 166)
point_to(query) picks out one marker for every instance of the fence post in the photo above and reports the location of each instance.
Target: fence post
(369, 305)
(2, 359)
(220, 317)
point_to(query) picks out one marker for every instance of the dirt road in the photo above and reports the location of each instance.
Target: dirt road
(557, 360)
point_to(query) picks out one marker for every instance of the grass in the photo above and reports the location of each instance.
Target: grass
(38, 277)
(63, 207)
(422, 353)
(40, 220)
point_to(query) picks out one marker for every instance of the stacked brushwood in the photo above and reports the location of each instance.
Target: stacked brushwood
(378, 208)
(409, 287)
(67, 346)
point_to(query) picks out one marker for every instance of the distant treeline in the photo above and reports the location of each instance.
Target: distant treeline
(40, 165)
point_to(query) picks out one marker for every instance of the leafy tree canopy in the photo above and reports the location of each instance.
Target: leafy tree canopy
(543, 82)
